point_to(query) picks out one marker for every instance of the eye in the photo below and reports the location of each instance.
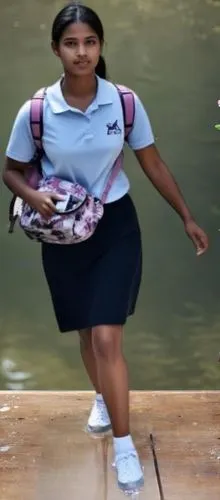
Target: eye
(70, 43)
(91, 42)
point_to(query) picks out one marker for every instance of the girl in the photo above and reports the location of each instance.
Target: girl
(94, 285)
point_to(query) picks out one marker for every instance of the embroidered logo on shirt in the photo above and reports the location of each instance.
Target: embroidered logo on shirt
(113, 128)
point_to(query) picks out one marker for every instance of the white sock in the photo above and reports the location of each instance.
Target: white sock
(123, 444)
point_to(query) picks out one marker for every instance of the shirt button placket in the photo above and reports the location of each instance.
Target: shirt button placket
(89, 133)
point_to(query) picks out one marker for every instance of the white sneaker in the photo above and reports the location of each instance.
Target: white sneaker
(129, 471)
(99, 420)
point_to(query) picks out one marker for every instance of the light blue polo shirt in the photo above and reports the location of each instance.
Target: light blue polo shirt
(80, 146)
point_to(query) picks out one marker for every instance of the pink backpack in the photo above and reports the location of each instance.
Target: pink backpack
(77, 217)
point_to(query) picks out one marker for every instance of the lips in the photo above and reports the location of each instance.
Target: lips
(82, 64)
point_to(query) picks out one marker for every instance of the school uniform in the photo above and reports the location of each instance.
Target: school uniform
(97, 281)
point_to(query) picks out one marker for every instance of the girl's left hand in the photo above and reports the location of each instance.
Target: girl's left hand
(198, 237)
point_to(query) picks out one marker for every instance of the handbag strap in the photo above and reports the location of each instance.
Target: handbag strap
(113, 174)
(128, 108)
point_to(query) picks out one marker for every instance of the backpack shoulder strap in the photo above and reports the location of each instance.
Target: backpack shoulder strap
(36, 118)
(36, 125)
(128, 107)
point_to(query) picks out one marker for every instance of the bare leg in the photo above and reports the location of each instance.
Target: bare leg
(113, 375)
(88, 357)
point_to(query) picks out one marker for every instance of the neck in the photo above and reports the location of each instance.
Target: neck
(79, 86)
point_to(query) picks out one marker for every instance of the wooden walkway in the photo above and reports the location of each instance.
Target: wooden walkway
(45, 453)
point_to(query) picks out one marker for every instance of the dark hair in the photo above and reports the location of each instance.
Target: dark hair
(75, 13)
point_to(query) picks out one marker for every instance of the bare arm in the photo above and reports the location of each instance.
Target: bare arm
(158, 173)
(14, 178)
(160, 176)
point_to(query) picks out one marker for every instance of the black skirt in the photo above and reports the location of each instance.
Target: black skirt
(96, 282)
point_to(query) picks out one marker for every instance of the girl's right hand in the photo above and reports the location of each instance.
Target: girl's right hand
(42, 202)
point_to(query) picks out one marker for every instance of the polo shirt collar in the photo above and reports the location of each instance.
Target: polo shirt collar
(58, 104)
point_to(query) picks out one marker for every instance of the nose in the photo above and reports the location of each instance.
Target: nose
(81, 49)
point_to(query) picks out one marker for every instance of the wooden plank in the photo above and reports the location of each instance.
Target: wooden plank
(186, 426)
(51, 457)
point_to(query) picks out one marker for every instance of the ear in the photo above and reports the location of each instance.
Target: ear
(55, 49)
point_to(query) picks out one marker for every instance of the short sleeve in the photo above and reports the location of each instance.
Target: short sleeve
(21, 146)
(141, 134)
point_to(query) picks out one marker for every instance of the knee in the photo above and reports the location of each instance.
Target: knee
(106, 341)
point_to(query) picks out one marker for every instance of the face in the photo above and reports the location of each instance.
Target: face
(79, 49)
